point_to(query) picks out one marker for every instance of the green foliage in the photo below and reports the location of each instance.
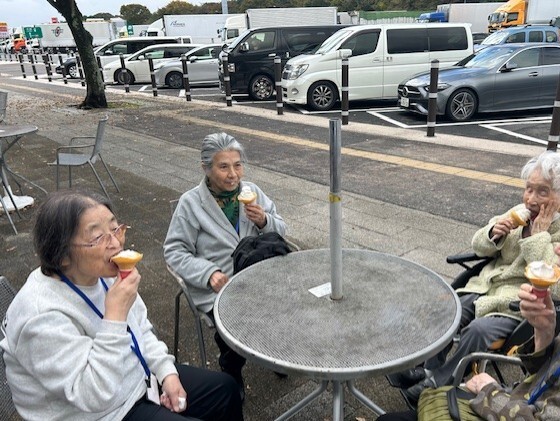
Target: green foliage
(136, 14)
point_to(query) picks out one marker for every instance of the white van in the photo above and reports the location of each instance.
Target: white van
(382, 57)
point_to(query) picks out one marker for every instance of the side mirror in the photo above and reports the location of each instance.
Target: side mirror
(192, 59)
(108, 53)
(509, 66)
(141, 57)
(244, 47)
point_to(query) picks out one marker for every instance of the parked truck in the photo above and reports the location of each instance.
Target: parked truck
(520, 12)
(57, 36)
(278, 16)
(203, 28)
(474, 13)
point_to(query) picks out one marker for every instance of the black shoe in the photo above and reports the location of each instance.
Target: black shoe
(412, 394)
(407, 378)
(241, 385)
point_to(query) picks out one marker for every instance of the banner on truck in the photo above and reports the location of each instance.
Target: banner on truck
(4, 34)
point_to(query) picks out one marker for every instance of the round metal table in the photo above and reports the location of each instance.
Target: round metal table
(394, 314)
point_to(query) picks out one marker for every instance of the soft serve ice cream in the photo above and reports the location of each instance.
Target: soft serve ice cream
(521, 216)
(126, 261)
(247, 195)
(541, 275)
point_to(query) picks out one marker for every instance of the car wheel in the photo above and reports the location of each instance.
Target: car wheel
(322, 96)
(261, 88)
(461, 105)
(174, 80)
(72, 70)
(123, 78)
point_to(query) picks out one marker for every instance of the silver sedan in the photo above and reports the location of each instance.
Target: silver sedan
(504, 77)
(202, 67)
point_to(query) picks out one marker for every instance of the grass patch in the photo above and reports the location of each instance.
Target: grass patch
(122, 104)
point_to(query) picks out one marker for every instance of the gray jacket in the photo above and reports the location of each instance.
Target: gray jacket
(200, 239)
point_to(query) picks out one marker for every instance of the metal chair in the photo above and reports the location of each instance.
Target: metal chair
(7, 408)
(199, 317)
(65, 156)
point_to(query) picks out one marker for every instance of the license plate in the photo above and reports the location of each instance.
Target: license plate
(404, 102)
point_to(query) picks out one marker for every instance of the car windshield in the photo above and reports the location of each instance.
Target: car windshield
(495, 38)
(487, 58)
(330, 43)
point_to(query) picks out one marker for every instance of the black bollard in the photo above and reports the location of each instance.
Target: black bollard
(61, 62)
(20, 57)
(186, 82)
(554, 135)
(432, 98)
(124, 75)
(33, 67)
(152, 75)
(80, 70)
(278, 84)
(100, 67)
(47, 66)
(345, 106)
(227, 81)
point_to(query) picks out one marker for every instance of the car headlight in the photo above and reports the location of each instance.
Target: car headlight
(296, 71)
(440, 87)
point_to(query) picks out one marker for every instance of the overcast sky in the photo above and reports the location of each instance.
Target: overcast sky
(31, 12)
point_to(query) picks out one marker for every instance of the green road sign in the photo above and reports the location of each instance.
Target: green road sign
(33, 32)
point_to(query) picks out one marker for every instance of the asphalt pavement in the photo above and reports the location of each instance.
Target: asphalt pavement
(152, 148)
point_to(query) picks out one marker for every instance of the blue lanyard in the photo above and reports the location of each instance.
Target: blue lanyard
(135, 347)
(544, 386)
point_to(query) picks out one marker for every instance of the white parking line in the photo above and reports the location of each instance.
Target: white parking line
(538, 120)
(144, 87)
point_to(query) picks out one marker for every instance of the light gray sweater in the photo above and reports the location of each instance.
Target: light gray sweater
(200, 239)
(63, 362)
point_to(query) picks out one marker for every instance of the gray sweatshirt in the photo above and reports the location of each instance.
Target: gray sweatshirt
(200, 239)
(63, 362)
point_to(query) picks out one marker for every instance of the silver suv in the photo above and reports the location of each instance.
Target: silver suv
(518, 34)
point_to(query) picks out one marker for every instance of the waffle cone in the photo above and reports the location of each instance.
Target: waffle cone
(246, 198)
(517, 219)
(542, 282)
(127, 260)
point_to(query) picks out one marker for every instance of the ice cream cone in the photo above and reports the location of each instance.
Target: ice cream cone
(541, 276)
(126, 260)
(521, 216)
(247, 196)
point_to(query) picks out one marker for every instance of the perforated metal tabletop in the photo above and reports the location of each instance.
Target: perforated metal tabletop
(394, 314)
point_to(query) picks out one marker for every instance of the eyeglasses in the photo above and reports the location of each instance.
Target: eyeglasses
(104, 239)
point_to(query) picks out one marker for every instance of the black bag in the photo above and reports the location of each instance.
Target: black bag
(253, 249)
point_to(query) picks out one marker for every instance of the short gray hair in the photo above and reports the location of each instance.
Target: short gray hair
(219, 142)
(549, 165)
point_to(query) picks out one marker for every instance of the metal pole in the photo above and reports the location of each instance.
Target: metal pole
(20, 56)
(335, 210)
(80, 71)
(47, 66)
(64, 78)
(33, 67)
(432, 98)
(124, 75)
(186, 84)
(554, 135)
(278, 84)
(345, 106)
(152, 75)
(227, 82)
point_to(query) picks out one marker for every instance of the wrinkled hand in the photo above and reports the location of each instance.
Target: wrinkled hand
(503, 227)
(173, 394)
(478, 381)
(255, 213)
(121, 296)
(540, 313)
(544, 218)
(218, 280)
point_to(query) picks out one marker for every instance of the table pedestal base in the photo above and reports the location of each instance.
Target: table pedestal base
(338, 400)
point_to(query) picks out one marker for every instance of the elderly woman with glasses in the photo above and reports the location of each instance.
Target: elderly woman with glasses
(208, 224)
(78, 343)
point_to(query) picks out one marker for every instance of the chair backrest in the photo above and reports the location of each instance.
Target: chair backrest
(99, 136)
(3, 105)
(7, 408)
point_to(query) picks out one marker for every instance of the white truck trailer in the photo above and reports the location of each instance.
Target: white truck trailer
(278, 16)
(59, 36)
(542, 11)
(474, 13)
(202, 28)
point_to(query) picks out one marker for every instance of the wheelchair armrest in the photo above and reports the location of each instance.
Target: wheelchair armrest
(465, 362)
(462, 258)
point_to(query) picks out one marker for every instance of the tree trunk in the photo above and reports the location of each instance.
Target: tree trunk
(95, 88)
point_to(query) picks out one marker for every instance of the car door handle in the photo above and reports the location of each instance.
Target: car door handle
(533, 74)
(272, 55)
(376, 59)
